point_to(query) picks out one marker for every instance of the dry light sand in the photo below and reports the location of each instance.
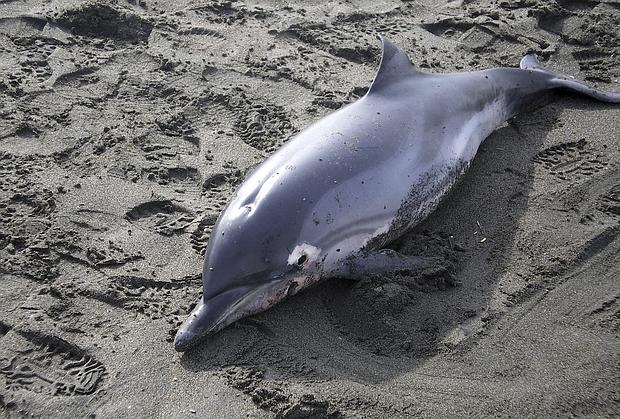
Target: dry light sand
(125, 127)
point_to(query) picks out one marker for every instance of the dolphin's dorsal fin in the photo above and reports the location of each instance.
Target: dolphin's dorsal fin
(394, 66)
(530, 62)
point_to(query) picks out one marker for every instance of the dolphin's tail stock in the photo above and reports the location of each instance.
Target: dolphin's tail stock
(560, 81)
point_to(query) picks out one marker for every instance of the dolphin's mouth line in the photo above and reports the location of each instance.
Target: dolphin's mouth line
(260, 274)
(253, 302)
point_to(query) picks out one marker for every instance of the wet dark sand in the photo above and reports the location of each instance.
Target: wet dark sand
(125, 128)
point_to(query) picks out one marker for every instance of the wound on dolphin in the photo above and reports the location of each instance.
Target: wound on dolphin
(327, 203)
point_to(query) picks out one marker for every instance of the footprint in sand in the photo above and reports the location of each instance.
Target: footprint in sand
(571, 160)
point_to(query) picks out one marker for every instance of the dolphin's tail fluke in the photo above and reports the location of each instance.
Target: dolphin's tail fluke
(560, 81)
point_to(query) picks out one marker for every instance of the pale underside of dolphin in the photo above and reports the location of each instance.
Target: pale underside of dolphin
(326, 203)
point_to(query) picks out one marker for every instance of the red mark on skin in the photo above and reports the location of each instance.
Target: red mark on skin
(281, 293)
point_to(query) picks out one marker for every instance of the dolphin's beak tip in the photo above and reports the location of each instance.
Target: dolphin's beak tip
(192, 330)
(184, 340)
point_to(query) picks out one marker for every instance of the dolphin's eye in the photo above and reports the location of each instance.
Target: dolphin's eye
(302, 254)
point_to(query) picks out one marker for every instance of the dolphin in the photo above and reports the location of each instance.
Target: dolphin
(326, 203)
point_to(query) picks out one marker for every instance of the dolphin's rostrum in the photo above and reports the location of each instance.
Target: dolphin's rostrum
(327, 202)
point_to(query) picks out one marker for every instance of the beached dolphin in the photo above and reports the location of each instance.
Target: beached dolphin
(326, 203)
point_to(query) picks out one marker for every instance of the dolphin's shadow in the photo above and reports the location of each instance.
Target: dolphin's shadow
(372, 332)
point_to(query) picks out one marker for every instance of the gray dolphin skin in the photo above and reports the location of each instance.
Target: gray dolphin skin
(326, 202)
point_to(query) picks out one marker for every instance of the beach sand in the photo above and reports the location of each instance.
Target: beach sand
(125, 127)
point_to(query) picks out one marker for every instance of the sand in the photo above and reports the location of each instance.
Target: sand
(125, 126)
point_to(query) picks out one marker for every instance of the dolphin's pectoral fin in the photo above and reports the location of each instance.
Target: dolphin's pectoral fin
(388, 261)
